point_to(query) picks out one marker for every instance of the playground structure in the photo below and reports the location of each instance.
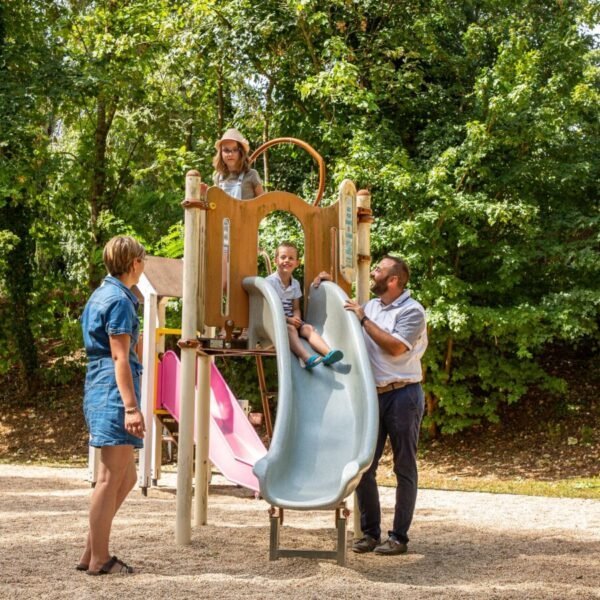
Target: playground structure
(312, 463)
(326, 427)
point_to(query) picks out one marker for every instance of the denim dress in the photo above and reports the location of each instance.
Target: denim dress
(111, 310)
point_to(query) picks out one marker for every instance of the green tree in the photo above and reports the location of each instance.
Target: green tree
(474, 125)
(29, 94)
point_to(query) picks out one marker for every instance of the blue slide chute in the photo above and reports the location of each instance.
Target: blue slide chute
(327, 418)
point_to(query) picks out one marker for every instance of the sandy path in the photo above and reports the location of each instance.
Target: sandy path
(464, 545)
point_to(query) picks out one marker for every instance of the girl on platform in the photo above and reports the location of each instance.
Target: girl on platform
(232, 167)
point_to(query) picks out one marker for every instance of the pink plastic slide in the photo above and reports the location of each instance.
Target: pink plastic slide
(234, 444)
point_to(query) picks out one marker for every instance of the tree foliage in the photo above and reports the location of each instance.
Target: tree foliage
(474, 124)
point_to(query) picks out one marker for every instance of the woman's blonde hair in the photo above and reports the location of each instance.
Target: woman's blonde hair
(220, 166)
(119, 254)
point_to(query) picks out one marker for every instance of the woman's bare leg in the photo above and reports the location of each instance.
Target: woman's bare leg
(116, 478)
(121, 495)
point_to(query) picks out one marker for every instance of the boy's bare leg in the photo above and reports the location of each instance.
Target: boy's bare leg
(296, 346)
(316, 342)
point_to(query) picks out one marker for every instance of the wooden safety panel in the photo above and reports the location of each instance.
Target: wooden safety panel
(320, 227)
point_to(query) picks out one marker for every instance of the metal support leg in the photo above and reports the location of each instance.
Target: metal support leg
(275, 552)
(341, 540)
(275, 520)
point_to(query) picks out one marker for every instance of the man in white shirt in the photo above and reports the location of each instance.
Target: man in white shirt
(395, 331)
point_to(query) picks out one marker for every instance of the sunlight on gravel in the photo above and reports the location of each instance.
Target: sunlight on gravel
(463, 545)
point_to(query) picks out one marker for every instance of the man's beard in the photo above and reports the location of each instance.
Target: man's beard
(379, 287)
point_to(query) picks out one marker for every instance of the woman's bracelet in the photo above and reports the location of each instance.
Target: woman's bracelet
(362, 321)
(131, 411)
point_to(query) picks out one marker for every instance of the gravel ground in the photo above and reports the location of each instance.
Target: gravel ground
(463, 545)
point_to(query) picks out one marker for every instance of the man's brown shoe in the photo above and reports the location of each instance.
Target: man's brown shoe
(391, 546)
(365, 544)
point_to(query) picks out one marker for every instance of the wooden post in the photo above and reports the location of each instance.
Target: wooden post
(148, 389)
(191, 265)
(363, 201)
(202, 441)
(93, 464)
(158, 427)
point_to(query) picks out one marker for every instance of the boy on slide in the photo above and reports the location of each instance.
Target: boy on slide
(288, 290)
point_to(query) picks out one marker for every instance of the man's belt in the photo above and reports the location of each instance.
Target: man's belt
(395, 385)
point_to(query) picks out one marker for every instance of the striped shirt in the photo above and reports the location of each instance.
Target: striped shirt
(287, 294)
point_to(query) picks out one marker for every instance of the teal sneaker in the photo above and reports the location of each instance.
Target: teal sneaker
(333, 356)
(313, 361)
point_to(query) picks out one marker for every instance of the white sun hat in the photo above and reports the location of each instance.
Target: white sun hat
(235, 136)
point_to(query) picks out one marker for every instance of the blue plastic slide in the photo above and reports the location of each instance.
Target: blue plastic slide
(326, 425)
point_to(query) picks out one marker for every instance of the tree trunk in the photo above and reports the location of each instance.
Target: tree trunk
(266, 131)
(431, 400)
(105, 112)
(189, 138)
(431, 404)
(220, 101)
(18, 219)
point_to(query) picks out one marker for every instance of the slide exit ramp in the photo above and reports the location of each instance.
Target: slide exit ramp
(327, 418)
(234, 445)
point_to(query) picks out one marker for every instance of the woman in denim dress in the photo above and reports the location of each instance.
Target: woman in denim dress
(112, 395)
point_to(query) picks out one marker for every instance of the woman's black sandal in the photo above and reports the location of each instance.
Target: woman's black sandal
(108, 568)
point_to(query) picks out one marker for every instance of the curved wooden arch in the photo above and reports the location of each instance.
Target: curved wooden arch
(304, 146)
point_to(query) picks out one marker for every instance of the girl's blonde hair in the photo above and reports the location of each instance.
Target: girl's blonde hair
(220, 166)
(119, 254)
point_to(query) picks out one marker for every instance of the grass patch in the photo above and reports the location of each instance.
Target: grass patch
(585, 487)
(581, 487)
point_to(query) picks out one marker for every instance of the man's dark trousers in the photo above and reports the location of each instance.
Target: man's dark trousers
(400, 415)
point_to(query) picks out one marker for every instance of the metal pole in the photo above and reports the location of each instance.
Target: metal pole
(363, 201)
(191, 265)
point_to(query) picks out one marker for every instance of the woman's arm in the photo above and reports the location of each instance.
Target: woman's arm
(119, 348)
